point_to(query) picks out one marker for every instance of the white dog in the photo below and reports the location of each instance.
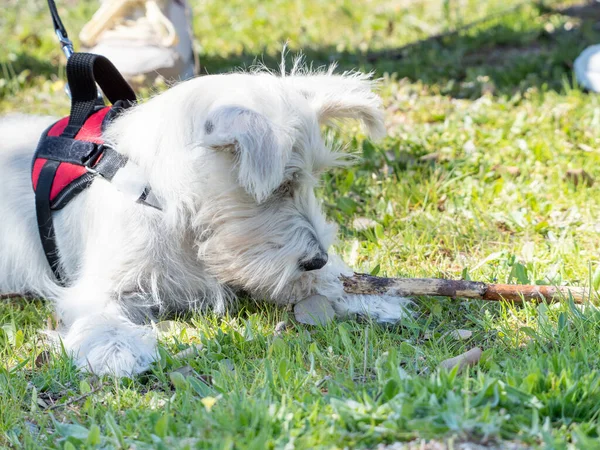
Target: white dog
(233, 160)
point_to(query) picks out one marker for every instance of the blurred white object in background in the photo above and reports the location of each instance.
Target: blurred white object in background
(143, 38)
(587, 68)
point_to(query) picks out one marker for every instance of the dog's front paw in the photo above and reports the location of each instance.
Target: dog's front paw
(381, 308)
(108, 345)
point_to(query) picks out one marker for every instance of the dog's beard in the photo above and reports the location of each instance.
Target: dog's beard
(258, 248)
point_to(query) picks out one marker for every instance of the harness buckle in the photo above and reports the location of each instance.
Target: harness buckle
(93, 158)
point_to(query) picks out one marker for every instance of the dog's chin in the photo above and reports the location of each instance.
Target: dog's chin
(291, 287)
(299, 285)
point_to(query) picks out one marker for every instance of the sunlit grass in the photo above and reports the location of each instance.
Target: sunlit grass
(471, 182)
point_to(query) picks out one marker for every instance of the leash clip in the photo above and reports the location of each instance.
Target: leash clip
(65, 43)
(67, 47)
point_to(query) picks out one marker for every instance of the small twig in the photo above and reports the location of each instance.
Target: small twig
(79, 398)
(413, 287)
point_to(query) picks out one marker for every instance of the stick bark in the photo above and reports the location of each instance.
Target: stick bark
(361, 283)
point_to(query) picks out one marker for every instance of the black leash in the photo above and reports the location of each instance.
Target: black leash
(60, 30)
(85, 71)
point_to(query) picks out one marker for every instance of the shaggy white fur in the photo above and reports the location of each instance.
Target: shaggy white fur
(233, 160)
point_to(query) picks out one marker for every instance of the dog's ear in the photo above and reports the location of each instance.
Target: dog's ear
(346, 96)
(260, 148)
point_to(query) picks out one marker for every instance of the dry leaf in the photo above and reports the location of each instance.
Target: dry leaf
(469, 358)
(508, 170)
(461, 335)
(585, 148)
(441, 204)
(192, 351)
(433, 157)
(363, 223)
(314, 310)
(514, 171)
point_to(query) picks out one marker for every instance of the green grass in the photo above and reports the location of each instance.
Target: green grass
(497, 112)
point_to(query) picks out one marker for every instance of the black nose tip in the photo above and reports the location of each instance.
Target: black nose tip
(316, 263)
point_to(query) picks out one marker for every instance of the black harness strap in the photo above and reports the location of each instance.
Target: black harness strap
(67, 150)
(107, 168)
(44, 216)
(84, 70)
(110, 163)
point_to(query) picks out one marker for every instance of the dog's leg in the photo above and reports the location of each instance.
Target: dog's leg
(381, 308)
(101, 338)
(103, 241)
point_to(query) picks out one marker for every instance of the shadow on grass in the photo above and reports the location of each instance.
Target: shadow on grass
(497, 60)
(25, 61)
(503, 59)
(500, 59)
(17, 71)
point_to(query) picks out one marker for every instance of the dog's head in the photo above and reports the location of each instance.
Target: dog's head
(256, 154)
(261, 227)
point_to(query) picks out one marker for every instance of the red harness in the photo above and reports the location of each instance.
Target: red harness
(71, 153)
(70, 176)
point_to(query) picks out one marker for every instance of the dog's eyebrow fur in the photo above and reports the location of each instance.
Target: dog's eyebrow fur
(310, 151)
(313, 155)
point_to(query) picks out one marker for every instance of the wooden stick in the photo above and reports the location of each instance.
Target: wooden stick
(361, 283)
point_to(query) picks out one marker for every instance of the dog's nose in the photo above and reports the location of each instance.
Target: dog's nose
(316, 263)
